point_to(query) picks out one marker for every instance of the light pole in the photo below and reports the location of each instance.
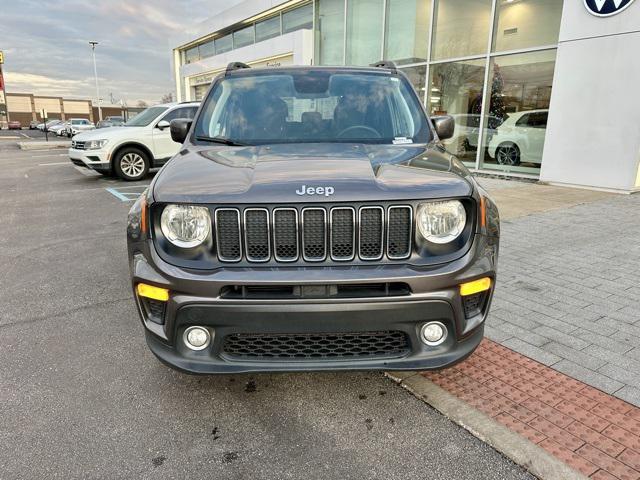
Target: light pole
(95, 73)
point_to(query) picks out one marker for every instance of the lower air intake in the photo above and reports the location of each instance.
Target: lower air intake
(316, 346)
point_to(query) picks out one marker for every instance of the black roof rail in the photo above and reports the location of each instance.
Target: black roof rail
(388, 64)
(235, 66)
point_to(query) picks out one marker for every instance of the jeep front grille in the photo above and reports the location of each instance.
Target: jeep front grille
(313, 234)
(228, 234)
(285, 237)
(371, 233)
(343, 233)
(256, 234)
(399, 232)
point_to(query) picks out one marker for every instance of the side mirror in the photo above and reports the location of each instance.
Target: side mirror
(162, 124)
(179, 129)
(444, 125)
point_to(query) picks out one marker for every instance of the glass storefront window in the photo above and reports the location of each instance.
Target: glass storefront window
(456, 89)
(268, 28)
(364, 31)
(330, 32)
(243, 37)
(461, 28)
(301, 17)
(519, 93)
(418, 77)
(207, 49)
(191, 55)
(407, 30)
(223, 44)
(526, 23)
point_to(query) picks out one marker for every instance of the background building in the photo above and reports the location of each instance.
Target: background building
(27, 107)
(539, 88)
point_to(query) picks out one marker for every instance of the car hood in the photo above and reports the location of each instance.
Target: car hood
(278, 174)
(106, 133)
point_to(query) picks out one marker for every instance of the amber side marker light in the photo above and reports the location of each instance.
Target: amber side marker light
(143, 216)
(476, 286)
(155, 293)
(483, 213)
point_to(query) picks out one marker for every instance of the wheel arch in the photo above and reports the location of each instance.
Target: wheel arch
(129, 144)
(504, 143)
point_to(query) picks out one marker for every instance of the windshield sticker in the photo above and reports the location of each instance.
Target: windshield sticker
(402, 140)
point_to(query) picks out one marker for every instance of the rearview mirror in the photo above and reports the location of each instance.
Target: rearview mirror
(179, 129)
(444, 125)
(162, 124)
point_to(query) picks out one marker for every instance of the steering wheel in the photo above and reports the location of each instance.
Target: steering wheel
(373, 131)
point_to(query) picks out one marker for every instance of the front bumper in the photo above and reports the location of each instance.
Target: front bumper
(97, 160)
(197, 298)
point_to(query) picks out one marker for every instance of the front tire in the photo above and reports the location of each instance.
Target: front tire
(131, 164)
(508, 154)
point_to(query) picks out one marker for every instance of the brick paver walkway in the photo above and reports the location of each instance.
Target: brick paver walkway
(593, 432)
(568, 290)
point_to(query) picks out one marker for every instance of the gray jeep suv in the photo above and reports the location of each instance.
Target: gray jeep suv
(312, 220)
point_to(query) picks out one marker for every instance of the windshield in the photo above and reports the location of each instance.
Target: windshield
(313, 106)
(145, 117)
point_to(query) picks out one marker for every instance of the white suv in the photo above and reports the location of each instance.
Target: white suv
(520, 138)
(129, 151)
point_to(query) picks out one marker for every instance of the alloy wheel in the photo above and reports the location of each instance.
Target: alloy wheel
(508, 155)
(132, 165)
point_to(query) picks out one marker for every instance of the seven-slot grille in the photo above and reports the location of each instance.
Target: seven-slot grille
(313, 234)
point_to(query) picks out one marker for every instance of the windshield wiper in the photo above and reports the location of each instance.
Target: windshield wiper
(222, 140)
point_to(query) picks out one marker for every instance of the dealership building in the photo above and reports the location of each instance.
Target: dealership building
(538, 88)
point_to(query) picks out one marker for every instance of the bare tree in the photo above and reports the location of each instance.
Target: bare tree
(168, 98)
(142, 104)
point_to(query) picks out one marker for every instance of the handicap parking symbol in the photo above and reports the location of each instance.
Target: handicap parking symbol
(127, 193)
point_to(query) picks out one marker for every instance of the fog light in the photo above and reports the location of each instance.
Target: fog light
(197, 338)
(433, 333)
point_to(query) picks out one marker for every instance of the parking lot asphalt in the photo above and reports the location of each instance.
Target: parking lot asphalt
(23, 134)
(82, 397)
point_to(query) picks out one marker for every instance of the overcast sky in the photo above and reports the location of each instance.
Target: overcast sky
(47, 52)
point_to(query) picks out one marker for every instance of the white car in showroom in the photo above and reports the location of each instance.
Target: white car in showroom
(464, 141)
(520, 138)
(129, 151)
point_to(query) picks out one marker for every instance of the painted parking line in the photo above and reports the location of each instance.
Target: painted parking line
(127, 193)
(50, 155)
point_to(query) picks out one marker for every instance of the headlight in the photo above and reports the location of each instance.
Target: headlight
(185, 226)
(94, 144)
(441, 222)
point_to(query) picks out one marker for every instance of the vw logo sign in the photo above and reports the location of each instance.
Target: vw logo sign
(606, 8)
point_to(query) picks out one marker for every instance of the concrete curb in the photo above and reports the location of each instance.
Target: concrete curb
(515, 447)
(44, 145)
